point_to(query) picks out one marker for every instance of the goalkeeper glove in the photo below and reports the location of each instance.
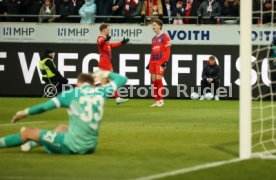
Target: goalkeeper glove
(107, 38)
(100, 74)
(19, 115)
(164, 65)
(125, 41)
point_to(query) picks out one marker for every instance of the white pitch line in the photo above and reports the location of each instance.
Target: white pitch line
(43, 178)
(189, 169)
(11, 124)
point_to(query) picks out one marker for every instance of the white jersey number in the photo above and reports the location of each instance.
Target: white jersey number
(96, 102)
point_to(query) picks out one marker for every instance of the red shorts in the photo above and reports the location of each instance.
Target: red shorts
(156, 68)
(105, 65)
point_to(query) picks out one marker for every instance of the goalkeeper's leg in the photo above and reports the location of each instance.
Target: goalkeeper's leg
(62, 128)
(18, 139)
(51, 140)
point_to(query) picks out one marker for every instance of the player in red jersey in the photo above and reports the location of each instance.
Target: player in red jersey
(105, 50)
(160, 54)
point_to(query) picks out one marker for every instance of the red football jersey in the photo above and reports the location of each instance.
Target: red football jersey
(161, 48)
(105, 49)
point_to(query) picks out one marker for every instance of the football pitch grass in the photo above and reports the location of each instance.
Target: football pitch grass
(137, 141)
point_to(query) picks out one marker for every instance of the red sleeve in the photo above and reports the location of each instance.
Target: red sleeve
(167, 48)
(101, 41)
(116, 44)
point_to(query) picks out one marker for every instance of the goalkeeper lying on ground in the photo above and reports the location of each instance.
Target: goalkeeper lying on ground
(85, 109)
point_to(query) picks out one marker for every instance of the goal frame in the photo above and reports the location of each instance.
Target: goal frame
(245, 95)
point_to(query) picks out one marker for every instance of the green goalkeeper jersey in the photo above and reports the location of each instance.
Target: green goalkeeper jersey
(85, 106)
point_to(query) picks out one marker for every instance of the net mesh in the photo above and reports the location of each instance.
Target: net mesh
(264, 85)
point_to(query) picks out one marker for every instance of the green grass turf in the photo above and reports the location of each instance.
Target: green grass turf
(137, 141)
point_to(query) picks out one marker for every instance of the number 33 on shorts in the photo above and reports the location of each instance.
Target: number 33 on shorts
(50, 136)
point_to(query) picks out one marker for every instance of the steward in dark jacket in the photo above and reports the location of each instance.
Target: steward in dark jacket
(50, 74)
(210, 76)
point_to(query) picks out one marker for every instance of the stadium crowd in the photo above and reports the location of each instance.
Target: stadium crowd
(130, 11)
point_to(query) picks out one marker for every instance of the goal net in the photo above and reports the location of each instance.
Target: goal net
(263, 79)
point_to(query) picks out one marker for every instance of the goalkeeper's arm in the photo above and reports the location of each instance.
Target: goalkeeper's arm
(43, 107)
(116, 81)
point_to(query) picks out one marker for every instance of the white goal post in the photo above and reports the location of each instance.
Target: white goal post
(245, 79)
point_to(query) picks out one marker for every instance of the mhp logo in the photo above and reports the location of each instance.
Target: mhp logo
(72, 32)
(18, 31)
(126, 32)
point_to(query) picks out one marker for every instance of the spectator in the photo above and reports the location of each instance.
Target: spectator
(57, 3)
(87, 11)
(152, 8)
(77, 4)
(207, 10)
(104, 9)
(31, 7)
(117, 9)
(12, 7)
(66, 8)
(256, 7)
(231, 8)
(167, 10)
(221, 2)
(132, 8)
(267, 12)
(178, 11)
(2, 10)
(210, 77)
(47, 9)
(191, 7)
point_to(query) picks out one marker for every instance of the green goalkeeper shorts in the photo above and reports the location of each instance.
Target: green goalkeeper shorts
(53, 142)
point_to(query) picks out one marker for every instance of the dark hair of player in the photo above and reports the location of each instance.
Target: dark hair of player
(159, 22)
(85, 78)
(103, 26)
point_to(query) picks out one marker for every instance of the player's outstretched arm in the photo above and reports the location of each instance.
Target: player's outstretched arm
(123, 42)
(43, 107)
(116, 44)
